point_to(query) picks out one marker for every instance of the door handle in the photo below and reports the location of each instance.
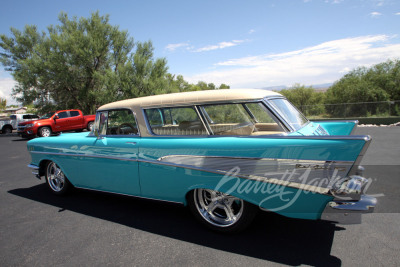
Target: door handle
(131, 143)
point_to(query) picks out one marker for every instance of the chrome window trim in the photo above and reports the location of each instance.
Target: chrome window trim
(283, 119)
(273, 110)
(91, 134)
(243, 103)
(199, 114)
(203, 103)
(204, 122)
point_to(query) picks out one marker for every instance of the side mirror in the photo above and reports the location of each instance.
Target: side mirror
(56, 117)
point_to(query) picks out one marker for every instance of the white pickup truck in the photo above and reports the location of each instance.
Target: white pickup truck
(9, 124)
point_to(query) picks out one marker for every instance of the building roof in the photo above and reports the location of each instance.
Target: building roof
(191, 98)
(15, 109)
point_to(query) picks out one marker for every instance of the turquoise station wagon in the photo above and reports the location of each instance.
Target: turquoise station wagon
(224, 153)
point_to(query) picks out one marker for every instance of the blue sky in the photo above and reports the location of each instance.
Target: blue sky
(253, 43)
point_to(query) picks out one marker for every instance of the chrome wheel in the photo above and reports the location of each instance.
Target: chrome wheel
(217, 208)
(90, 126)
(55, 177)
(45, 132)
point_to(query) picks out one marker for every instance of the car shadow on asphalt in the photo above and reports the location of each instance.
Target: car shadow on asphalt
(271, 237)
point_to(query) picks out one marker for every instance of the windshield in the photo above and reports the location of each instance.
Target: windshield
(289, 112)
(47, 116)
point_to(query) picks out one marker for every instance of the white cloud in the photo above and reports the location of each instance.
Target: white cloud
(375, 14)
(333, 1)
(173, 47)
(380, 2)
(322, 63)
(221, 45)
(6, 85)
(397, 14)
(252, 31)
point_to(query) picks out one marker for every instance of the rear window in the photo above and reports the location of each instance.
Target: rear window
(74, 113)
(63, 115)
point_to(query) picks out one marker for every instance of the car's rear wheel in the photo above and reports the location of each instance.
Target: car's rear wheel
(56, 180)
(221, 212)
(45, 132)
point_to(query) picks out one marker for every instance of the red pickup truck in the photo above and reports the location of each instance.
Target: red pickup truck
(55, 122)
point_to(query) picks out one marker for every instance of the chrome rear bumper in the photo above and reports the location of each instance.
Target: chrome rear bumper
(348, 212)
(349, 202)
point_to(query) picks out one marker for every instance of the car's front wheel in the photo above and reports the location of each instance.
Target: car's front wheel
(89, 126)
(221, 212)
(56, 180)
(44, 132)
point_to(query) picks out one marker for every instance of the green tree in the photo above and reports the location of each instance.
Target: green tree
(3, 103)
(81, 63)
(306, 99)
(380, 82)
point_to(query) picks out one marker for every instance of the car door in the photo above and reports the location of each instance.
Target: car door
(110, 159)
(62, 122)
(75, 120)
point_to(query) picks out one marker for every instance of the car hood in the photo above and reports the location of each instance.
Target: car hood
(29, 122)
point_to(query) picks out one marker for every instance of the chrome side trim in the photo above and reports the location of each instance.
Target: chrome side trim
(312, 175)
(84, 155)
(354, 169)
(258, 169)
(355, 126)
(311, 188)
(314, 137)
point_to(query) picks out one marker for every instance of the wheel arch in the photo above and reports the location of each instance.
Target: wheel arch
(44, 162)
(7, 126)
(222, 190)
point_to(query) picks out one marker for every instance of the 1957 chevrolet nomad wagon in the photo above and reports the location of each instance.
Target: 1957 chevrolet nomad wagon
(224, 153)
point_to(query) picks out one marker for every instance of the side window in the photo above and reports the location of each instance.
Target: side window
(13, 117)
(63, 115)
(74, 113)
(175, 121)
(155, 116)
(241, 119)
(26, 117)
(35, 117)
(259, 113)
(116, 122)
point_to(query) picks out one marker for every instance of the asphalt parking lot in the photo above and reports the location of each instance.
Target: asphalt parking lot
(87, 228)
